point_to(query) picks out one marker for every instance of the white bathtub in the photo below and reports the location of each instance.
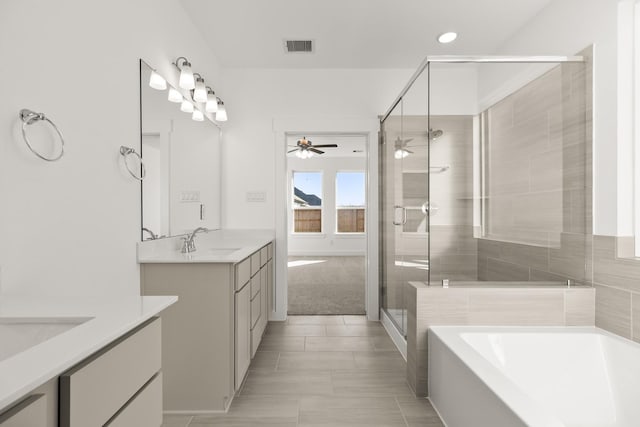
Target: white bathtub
(533, 376)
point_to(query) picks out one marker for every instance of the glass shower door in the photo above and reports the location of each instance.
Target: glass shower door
(404, 157)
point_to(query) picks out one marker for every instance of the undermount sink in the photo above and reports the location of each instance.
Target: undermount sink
(20, 334)
(215, 251)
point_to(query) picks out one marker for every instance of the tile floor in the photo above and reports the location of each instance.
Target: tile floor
(329, 371)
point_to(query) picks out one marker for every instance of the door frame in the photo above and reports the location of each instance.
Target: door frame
(359, 126)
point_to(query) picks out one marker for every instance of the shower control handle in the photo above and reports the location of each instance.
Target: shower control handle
(404, 215)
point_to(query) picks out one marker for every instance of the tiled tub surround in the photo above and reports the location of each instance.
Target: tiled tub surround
(509, 304)
(616, 277)
(104, 319)
(533, 376)
(326, 284)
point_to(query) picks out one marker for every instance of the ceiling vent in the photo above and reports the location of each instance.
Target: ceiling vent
(292, 46)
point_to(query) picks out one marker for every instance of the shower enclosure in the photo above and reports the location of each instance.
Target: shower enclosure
(485, 176)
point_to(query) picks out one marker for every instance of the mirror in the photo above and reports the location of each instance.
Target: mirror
(181, 190)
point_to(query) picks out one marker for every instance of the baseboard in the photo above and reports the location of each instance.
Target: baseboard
(394, 334)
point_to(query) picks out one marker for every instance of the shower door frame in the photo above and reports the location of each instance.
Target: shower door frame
(425, 65)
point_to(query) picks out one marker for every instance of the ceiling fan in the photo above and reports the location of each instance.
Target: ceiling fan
(305, 149)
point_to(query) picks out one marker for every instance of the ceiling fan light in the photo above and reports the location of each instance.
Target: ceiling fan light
(400, 153)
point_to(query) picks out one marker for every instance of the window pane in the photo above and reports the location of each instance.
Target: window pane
(307, 202)
(350, 202)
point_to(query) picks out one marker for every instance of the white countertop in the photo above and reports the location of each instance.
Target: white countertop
(210, 247)
(110, 318)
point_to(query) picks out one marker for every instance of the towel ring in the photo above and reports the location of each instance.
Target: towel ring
(29, 117)
(126, 151)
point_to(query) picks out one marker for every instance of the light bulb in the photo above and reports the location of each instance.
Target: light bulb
(197, 116)
(212, 102)
(300, 154)
(186, 76)
(156, 81)
(186, 106)
(221, 114)
(174, 95)
(200, 91)
(447, 37)
(400, 154)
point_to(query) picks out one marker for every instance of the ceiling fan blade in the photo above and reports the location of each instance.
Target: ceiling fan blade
(291, 151)
(315, 151)
(327, 145)
(408, 151)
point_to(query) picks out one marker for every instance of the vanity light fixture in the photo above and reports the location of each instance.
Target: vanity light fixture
(174, 95)
(447, 37)
(197, 115)
(200, 91)
(186, 75)
(156, 81)
(212, 101)
(186, 106)
(221, 114)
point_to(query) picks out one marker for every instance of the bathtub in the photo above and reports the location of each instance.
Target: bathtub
(533, 376)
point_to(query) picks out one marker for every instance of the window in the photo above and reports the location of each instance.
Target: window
(307, 202)
(350, 202)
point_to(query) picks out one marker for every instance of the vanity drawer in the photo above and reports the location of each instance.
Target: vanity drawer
(95, 389)
(255, 262)
(243, 273)
(255, 310)
(256, 338)
(255, 285)
(144, 410)
(30, 412)
(264, 256)
(269, 251)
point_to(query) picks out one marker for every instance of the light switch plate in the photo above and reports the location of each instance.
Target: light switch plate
(190, 196)
(256, 196)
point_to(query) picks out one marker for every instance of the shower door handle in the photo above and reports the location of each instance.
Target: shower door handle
(404, 215)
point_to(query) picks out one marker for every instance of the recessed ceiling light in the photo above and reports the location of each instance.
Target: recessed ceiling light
(447, 37)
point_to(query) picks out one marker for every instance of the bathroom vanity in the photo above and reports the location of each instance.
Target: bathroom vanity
(209, 338)
(77, 362)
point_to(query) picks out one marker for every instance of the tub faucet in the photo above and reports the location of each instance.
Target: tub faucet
(188, 243)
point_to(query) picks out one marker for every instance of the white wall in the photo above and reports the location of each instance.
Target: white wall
(327, 242)
(71, 227)
(565, 27)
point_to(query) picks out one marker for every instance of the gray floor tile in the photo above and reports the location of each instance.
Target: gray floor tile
(170, 420)
(418, 412)
(339, 344)
(357, 320)
(350, 411)
(315, 320)
(297, 330)
(364, 384)
(292, 383)
(380, 361)
(254, 410)
(355, 331)
(265, 360)
(316, 361)
(281, 343)
(383, 343)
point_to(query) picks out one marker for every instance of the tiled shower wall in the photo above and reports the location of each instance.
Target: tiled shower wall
(538, 206)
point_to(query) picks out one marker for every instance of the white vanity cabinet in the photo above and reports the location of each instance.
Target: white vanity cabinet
(210, 335)
(29, 412)
(118, 383)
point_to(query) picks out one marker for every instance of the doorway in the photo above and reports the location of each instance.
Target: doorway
(326, 224)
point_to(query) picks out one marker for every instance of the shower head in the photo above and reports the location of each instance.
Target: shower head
(435, 134)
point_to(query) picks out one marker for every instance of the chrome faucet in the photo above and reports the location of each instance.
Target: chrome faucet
(153, 235)
(188, 243)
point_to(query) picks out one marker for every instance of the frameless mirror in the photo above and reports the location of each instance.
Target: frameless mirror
(181, 190)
